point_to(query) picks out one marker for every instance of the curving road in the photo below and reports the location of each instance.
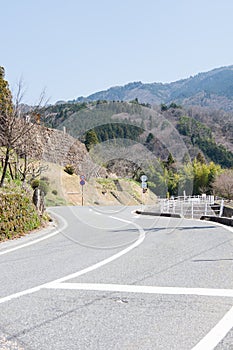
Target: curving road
(105, 278)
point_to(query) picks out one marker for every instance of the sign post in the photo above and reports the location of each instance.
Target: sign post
(82, 183)
(143, 179)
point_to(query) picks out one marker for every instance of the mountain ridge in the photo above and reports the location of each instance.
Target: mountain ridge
(212, 89)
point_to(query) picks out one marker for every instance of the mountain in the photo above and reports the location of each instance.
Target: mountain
(212, 89)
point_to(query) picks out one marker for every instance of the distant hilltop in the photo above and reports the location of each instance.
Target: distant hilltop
(213, 89)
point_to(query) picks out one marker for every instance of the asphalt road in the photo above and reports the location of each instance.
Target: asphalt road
(105, 278)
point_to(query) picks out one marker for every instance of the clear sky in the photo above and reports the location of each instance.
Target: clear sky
(74, 48)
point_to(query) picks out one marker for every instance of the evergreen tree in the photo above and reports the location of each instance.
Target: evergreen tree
(200, 158)
(6, 105)
(150, 138)
(170, 160)
(163, 107)
(6, 109)
(91, 139)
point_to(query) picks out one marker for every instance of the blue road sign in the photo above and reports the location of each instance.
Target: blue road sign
(143, 178)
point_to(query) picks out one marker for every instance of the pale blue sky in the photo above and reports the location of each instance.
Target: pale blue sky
(75, 48)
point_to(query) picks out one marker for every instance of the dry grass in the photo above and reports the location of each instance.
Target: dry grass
(95, 191)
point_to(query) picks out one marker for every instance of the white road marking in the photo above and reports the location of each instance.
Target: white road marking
(111, 258)
(143, 289)
(213, 338)
(86, 270)
(20, 294)
(209, 342)
(35, 241)
(220, 330)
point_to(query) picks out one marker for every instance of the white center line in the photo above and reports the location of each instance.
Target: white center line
(143, 289)
(86, 270)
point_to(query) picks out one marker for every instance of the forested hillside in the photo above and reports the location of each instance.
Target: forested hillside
(200, 129)
(180, 149)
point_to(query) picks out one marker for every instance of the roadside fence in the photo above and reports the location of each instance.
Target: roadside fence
(192, 206)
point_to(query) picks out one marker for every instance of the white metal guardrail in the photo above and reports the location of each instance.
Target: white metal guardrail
(192, 206)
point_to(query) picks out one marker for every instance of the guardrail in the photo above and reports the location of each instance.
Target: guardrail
(192, 206)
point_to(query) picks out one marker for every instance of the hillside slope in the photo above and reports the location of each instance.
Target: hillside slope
(58, 147)
(65, 189)
(174, 130)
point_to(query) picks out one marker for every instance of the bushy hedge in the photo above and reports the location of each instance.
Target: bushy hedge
(17, 215)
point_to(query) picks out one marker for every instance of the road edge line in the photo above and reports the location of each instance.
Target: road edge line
(38, 240)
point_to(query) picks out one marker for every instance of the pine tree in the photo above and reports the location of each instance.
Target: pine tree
(91, 139)
(200, 158)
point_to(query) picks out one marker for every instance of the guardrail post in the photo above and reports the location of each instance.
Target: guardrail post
(221, 208)
(174, 205)
(206, 208)
(182, 208)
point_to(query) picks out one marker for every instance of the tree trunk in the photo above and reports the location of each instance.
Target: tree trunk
(24, 170)
(6, 162)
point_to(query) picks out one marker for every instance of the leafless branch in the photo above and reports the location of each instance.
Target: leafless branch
(18, 127)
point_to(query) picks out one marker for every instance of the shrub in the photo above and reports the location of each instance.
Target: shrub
(17, 215)
(43, 185)
(45, 179)
(35, 183)
(54, 192)
(69, 169)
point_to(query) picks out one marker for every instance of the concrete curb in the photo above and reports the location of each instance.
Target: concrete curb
(168, 215)
(220, 220)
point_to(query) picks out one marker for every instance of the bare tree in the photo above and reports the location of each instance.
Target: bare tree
(16, 126)
(30, 168)
(223, 184)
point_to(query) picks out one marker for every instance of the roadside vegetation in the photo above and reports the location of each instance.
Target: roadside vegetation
(195, 178)
(18, 214)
